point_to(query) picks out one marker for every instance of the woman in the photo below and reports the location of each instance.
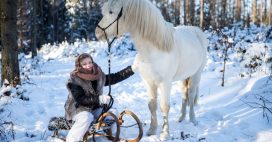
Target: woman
(85, 99)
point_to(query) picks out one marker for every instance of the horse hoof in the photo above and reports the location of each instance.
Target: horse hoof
(194, 122)
(151, 131)
(164, 136)
(181, 119)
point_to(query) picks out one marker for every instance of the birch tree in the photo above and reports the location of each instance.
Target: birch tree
(237, 10)
(201, 23)
(254, 12)
(270, 17)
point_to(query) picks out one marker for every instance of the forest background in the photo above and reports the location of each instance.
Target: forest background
(27, 25)
(239, 28)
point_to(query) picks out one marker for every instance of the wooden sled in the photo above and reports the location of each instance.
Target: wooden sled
(108, 125)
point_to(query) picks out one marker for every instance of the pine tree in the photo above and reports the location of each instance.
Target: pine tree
(24, 26)
(10, 64)
(78, 20)
(34, 27)
(212, 14)
(223, 14)
(94, 17)
(191, 17)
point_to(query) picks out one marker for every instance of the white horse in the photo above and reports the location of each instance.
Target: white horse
(165, 54)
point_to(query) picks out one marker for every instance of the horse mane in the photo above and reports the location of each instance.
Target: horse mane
(146, 19)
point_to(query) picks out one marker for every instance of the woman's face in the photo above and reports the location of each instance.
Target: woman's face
(86, 63)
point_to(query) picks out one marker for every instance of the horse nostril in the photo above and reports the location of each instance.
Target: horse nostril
(98, 33)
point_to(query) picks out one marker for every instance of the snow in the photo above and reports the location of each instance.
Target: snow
(222, 112)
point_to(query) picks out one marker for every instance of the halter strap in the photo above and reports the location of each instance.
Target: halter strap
(108, 106)
(110, 42)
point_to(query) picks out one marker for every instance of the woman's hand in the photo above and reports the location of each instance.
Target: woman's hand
(104, 99)
(134, 66)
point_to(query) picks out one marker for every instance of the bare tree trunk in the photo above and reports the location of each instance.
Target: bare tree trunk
(201, 23)
(186, 11)
(212, 13)
(34, 29)
(223, 13)
(237, 10)
(265, 12)
(192, 12)
(247, 16)
(176, 6)
(270, 17)
(23, 23)
(55, 16)
(10, 64)
(180, 12)
(41, 25)
(244, 12)
(254, 12)
(20, 45)
(261, 11)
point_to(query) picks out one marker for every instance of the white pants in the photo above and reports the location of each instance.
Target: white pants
(82, 124)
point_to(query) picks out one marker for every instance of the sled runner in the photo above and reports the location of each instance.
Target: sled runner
(107, 125)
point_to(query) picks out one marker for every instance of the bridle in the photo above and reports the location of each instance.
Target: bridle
(105, 28)
(108, 106)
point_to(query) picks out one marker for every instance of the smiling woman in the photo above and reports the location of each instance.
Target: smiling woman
(87, 63)
(86, 100)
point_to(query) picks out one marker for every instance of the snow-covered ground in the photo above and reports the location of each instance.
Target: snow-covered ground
(224, 113)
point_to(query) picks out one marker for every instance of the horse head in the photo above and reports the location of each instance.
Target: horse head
(140, 18)
(111, 22)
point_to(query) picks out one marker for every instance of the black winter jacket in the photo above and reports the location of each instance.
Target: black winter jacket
(92, 101)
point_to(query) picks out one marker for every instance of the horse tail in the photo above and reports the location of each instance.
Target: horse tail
(186, 95)
(188, 84)
(196, 98)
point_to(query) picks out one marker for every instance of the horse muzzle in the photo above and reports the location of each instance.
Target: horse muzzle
(100, 35)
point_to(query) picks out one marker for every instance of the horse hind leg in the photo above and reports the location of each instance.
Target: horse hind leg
(193, 96)
(184, 91)
(152, 105)
(164, 105)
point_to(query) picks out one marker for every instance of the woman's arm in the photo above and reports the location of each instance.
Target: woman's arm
(80, 97)
(119, 76)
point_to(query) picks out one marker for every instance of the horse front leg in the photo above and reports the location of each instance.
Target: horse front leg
(164, 104)
(152, 104)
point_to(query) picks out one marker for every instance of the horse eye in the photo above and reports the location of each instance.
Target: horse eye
(111, 12)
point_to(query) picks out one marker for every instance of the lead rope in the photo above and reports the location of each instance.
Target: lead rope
(108, 106)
